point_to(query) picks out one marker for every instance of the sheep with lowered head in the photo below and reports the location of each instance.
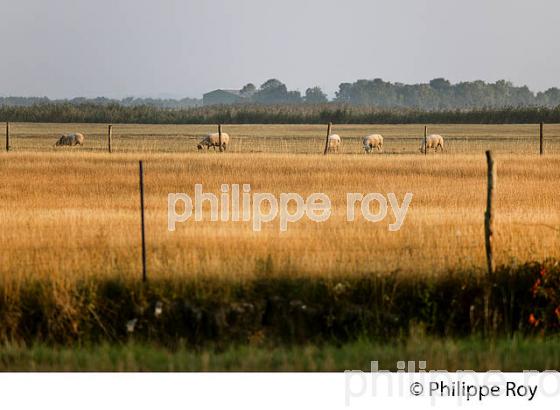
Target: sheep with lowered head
(373, 141)
(434, 141)
(213, 140)
(70, 139)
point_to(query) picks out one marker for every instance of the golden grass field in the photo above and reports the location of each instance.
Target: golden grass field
(74, 212)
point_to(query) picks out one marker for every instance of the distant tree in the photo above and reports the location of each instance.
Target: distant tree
(248, 89)
(315, 95)
(127, 101)
(344, 93)
(271, 84)
(274, 91)
(440, 84)
(293, 97)
(549, 98)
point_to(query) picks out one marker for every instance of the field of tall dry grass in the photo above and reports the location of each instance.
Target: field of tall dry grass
(72, 213)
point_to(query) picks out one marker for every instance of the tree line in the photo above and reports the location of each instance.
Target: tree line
(440, 94)
(272, 114)
(125, 102)
(437, 95)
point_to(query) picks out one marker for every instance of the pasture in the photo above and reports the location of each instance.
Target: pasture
(70, 216)
(74, 211)
(291, 139)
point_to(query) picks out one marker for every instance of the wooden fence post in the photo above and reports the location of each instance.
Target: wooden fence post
(144, 276)
(220, 136)
(7, 136)
(425, 140)
(109, 137)
(488, 216)
(541, 138)
(327, 139)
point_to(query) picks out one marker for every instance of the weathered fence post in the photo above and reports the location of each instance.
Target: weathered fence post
(220, 136)
(488, 216)
(109, 137)
(7, 136)
(144, 276)
(425, 140)
(327, 139)
(541, 137)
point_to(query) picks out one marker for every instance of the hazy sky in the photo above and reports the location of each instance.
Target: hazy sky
(118, 48)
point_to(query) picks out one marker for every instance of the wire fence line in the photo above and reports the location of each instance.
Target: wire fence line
(286, 139)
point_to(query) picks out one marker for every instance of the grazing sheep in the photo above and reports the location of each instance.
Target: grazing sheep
(433, 141)
(213, 140)
(70, 139)
(334, 143)
(373, 141)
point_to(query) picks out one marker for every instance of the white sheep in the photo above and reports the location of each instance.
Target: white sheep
(213, 140)
(373, 141)
(334, 142)
(70, 139)
(432, 141)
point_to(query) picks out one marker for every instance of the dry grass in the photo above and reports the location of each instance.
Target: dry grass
(75, 213)
(399, 139)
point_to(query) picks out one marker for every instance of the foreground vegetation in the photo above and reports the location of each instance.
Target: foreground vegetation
(277, 309)
(505, 354)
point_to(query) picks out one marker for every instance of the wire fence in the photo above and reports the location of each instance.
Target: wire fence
(289, 139)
